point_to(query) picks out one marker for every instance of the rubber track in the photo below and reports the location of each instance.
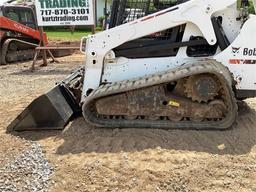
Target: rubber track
(188, 69)
(5, 49)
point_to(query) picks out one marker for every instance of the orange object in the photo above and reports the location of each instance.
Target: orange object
(9, 24)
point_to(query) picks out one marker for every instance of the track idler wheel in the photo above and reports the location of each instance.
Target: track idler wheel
(219, 106)
(175, 118)
(130, 117)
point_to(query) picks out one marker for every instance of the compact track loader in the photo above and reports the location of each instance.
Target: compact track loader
(177, 66)
(19, 33)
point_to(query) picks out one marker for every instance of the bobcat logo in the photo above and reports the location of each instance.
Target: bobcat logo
(235, 50)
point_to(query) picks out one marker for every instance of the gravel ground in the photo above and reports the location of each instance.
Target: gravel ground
(10, 150)
(28, 172)
(89, 159)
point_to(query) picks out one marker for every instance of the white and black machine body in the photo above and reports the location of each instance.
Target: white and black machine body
(184, 66)
(236, 50)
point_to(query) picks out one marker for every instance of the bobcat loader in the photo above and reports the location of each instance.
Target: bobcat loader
(184, 66)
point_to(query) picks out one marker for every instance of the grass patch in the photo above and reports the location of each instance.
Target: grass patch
(66, 35)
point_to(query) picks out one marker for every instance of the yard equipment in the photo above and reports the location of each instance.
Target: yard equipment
(183, 66)
(19, 33)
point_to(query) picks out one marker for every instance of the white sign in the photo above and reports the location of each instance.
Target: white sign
(64, 12)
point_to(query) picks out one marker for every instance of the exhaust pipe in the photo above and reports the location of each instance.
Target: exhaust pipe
(53, 110)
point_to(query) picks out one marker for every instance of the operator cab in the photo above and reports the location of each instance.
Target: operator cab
(20, 14)
(168, 42)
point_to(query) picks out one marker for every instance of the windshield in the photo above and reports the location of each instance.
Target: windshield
(23, 16)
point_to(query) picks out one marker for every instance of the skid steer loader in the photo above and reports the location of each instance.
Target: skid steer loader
(19, 33)
(179, 66)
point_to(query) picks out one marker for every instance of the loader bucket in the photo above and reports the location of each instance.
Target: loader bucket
(52, 110)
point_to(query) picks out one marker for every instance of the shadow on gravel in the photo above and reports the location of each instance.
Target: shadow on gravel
(79, 137)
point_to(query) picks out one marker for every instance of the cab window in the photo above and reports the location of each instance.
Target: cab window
(12, 14)
(23, 16)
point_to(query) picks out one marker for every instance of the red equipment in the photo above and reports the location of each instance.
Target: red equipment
(19, 33)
